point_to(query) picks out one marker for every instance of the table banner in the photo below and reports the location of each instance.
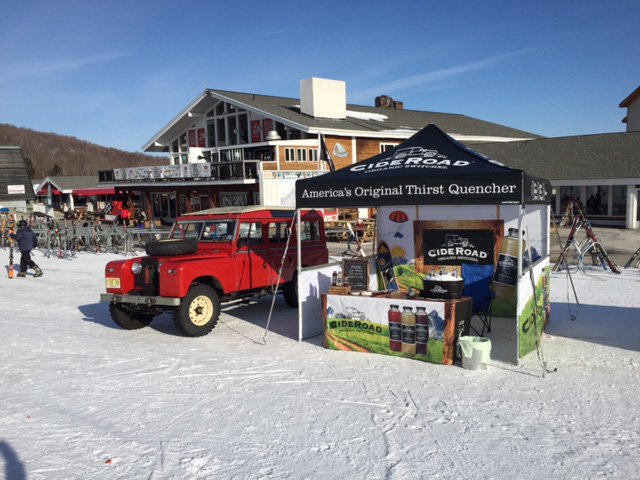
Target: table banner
(418, 329)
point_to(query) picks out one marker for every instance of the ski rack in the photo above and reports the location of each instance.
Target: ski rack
(64, 239)
(589, 245)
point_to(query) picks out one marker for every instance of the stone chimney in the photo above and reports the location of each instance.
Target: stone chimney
(323, 98)
(384, 101)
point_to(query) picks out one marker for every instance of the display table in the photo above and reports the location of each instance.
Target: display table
(421, 329)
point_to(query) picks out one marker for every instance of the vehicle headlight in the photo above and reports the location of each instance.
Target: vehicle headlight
(136, 268)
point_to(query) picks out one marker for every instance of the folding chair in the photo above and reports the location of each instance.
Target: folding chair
(477, 285)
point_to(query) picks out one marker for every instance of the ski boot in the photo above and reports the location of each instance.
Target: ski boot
(37, 274)
(22, 274)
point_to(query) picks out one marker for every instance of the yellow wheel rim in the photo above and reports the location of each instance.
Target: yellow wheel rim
(201, 310)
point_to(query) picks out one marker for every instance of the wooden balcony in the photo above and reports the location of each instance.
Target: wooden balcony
(204, 172)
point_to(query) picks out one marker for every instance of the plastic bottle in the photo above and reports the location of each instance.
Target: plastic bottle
(422, 330)
(395, 329)
(506, 276)
(408, 331)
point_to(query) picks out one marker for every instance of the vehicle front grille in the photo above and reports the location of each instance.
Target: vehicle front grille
(148, 280)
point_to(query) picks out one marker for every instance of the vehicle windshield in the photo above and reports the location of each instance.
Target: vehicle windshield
(205, 231)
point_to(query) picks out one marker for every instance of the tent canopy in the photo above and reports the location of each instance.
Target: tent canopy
(428, 168)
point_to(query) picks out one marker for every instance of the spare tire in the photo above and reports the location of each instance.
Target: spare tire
(170, 247)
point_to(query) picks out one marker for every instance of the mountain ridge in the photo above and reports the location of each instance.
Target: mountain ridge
(49, 153)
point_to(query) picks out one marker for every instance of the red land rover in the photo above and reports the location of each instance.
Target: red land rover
(213, 256)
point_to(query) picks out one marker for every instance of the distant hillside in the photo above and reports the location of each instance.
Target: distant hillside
(53, 154)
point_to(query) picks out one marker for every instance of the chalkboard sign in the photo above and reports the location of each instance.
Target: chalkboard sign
(356, 273)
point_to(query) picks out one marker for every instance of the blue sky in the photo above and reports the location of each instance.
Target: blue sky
(114, 72)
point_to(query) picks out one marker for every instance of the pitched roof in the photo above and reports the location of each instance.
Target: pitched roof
(13, 176)
(585, 157)
(367, 119)
(629, 100)
(361, 120)
(69, 183)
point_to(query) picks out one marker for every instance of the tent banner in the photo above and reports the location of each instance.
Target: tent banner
(430, 168)
(531, 323)
(419, 247)
(403, 190)
(375, 325)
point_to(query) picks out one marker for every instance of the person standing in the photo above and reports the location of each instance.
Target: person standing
(140, 217)
(27, 241)
(124, 216)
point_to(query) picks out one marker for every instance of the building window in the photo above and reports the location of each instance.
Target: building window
(211, 133)
(568, 194)
(387, 146)
(596, 203)
(313, 154)
(619, 200)
(221, 133)
(302, 154)
(233, 199)
(243, 128)
(289, 154)
(233, 130)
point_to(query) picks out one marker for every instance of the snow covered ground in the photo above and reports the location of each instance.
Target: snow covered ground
(82, 399)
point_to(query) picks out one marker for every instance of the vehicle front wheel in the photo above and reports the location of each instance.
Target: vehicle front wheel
(290, 291)
(198, 312)
(128, 319)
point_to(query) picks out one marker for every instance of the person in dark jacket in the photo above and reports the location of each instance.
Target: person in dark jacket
(27, 241)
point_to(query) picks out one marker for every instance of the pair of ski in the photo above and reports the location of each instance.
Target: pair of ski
(11, 221)
(634, 259)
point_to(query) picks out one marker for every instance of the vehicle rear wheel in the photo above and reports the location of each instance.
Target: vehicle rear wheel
(290, 291)
(198, 312)
(128, 319)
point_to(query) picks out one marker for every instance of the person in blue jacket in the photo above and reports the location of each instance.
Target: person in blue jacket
(27, 241)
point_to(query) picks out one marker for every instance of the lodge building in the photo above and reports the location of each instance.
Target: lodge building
(230, 148)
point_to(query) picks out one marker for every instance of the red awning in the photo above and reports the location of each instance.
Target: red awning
(89, 192)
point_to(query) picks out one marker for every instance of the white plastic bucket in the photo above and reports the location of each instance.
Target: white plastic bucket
(475, 352)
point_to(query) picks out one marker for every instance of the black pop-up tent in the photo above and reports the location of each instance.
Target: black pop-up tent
(440, 180)
(428, 168)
